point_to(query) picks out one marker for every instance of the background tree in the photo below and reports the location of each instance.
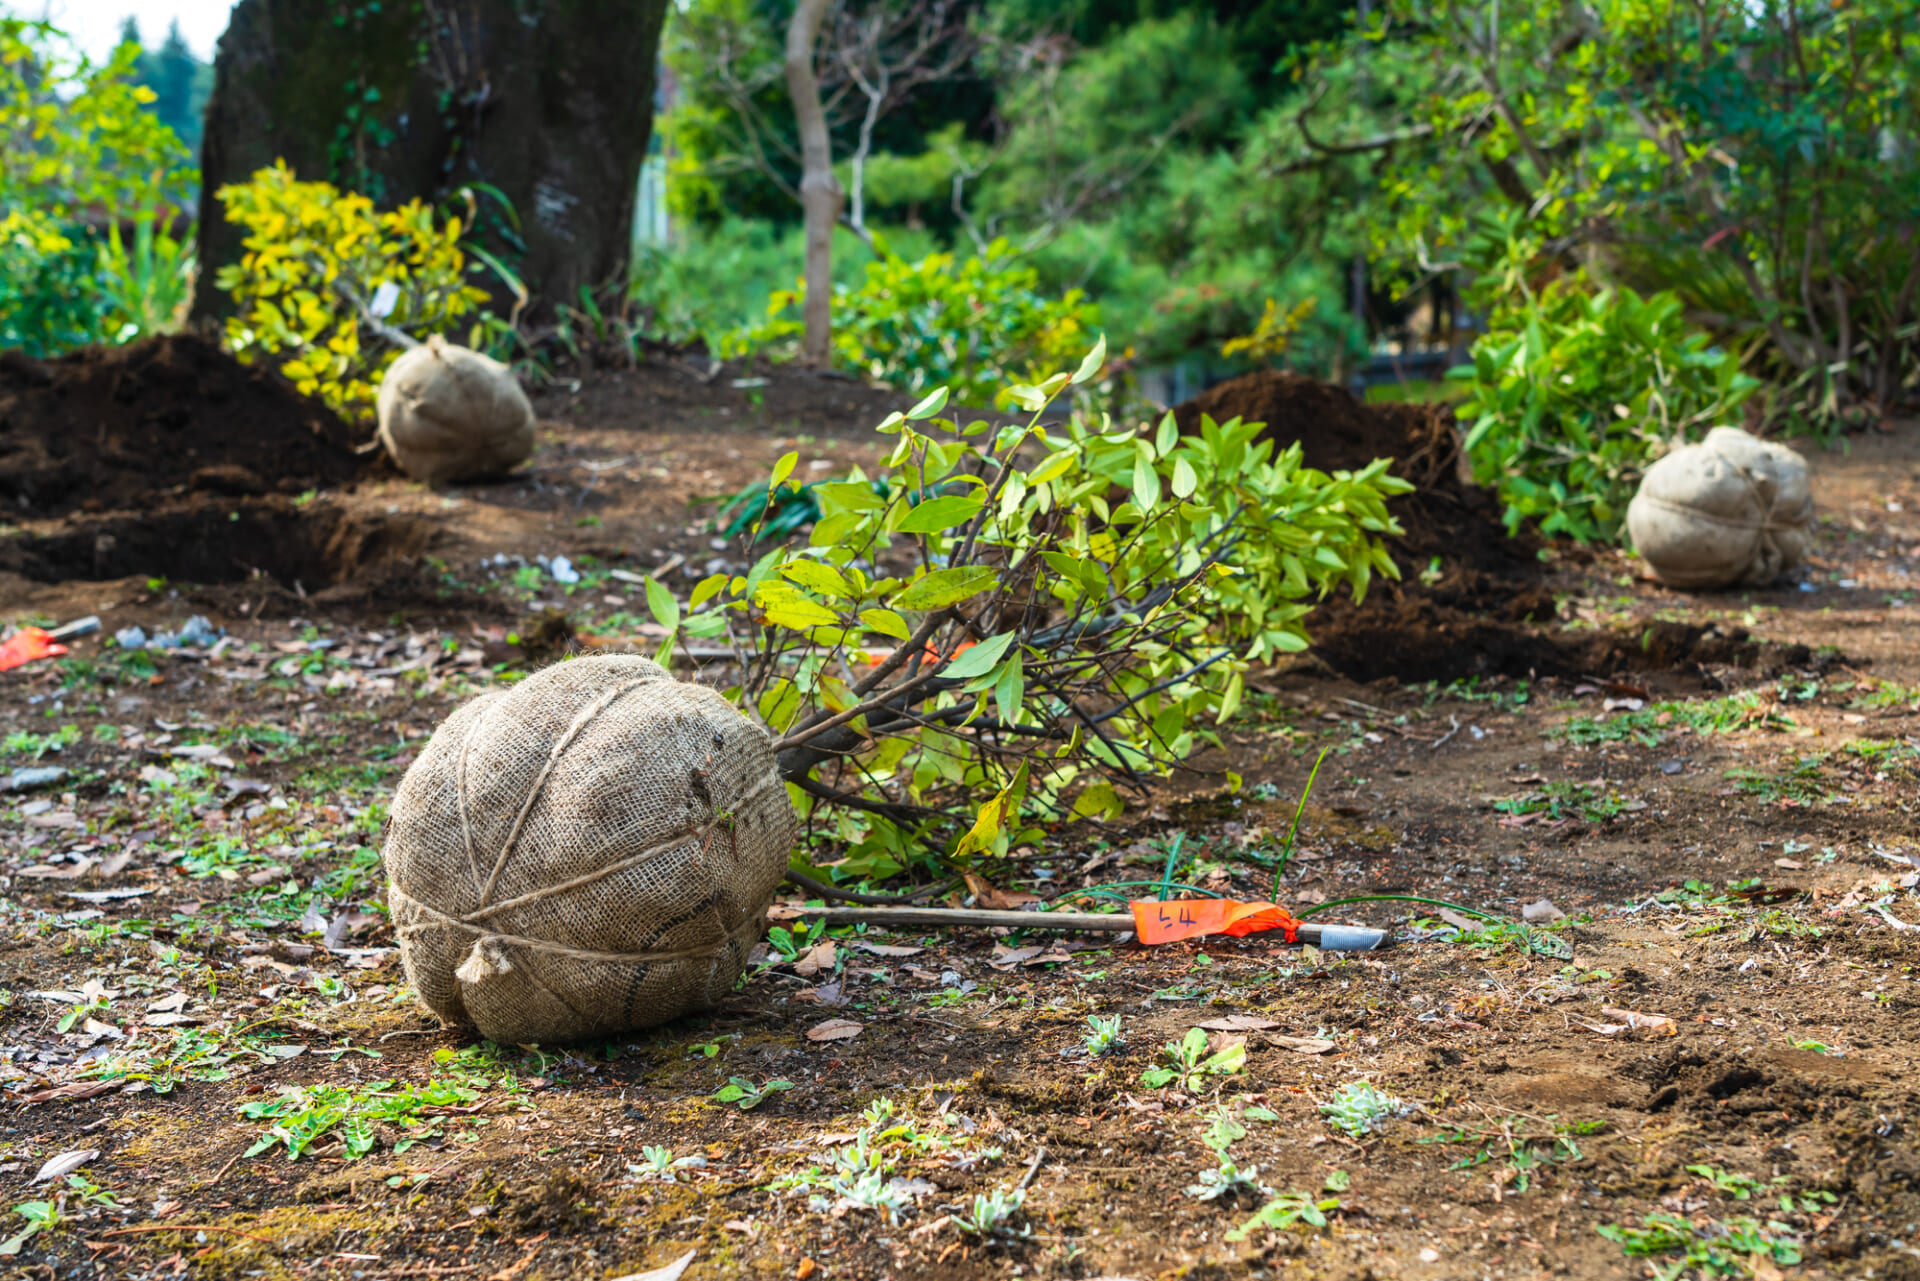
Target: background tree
(551, 108)
(180, 83)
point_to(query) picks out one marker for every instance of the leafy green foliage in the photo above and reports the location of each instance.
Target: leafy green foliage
(992, 1214)
(972, 326)
(1103, 1034)
(354, 1116)
(76, 140)
(1708, 1249)
(1718, 151)
(1573, 393)
(315, 257)
(1017, 577)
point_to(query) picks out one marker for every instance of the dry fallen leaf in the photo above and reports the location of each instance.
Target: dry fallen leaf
(886, 949)
(835, 1030)
(1792, 865)
(997, 900)
(1219, 1042)
(819, 957)
(1302, 1044)
(1238, 1023)
(66, 1163)
(1659, 1024)
(1543, 910)
(671, 1272)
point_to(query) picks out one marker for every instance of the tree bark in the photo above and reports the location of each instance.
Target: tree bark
(549, 101)
(819, 190)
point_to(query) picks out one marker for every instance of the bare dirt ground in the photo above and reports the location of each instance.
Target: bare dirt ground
(202, 1000)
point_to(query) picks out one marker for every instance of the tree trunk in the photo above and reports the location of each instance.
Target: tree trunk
(549, 101)
(819, 190)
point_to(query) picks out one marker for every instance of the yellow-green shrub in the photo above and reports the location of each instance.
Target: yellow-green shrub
(312, 251)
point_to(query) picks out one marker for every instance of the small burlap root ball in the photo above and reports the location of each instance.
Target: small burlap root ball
(1731, 509)
(591, 851)
(448, 414)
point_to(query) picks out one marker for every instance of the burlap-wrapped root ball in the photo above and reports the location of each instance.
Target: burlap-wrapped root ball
(591, 851)
(1731, 509)
(448, 414)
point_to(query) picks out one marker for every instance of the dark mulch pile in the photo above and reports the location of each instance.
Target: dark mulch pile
(127, 427)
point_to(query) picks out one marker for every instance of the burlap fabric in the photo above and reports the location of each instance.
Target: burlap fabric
(589, 852)
(1731, 509)
(448, 414)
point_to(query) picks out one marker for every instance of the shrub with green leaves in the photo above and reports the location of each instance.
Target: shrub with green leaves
(1024, 619)
(1575, 391)
(76, 141)
(973, 326)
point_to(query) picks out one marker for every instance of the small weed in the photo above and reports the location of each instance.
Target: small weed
(353, 1116)
(1191, 1064)
(1564, 800)
(1651, 725)
(745, 1095)
(1738, 1186)
(1714, 1249)
(1103, 1035)
(1288, 1210)
(41, 1216)
(993, 1214)
(1799, 783)
(1227, 1181)
(1358, 1108)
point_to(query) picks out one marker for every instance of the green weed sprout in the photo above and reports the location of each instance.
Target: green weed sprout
(656, 1163)
(1103, 1035)
(1191, 1064)
(993, 1214)
(1288, 1210)
(1358, 1108)
(1225, 1182)
(746, 1095)
(41, 1216)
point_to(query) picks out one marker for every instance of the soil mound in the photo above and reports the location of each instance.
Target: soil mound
(1470, 600)
(1446, 517)
(124, 427)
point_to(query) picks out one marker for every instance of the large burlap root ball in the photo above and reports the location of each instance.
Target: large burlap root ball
(589, 852)
(448, 414)
(1731, 509)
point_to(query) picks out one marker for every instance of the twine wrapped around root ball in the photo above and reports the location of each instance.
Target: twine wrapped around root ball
(591, 851)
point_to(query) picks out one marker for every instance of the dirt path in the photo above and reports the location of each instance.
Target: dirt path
(197, 989)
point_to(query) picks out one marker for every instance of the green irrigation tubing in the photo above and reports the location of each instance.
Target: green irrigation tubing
(1535, 940)
(1174, 847)
(1286, 852)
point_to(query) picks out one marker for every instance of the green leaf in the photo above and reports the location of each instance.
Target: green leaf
(944, 587)
(937, 514)
(1098, 800)
(783, 469)
(785, 606)
(979, 660)
(1185, 481)
(1167, 437)
(1093, 362)
(932, 405)
(887, 623)
(661, 604)
(819, 576)
(1146, 483)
